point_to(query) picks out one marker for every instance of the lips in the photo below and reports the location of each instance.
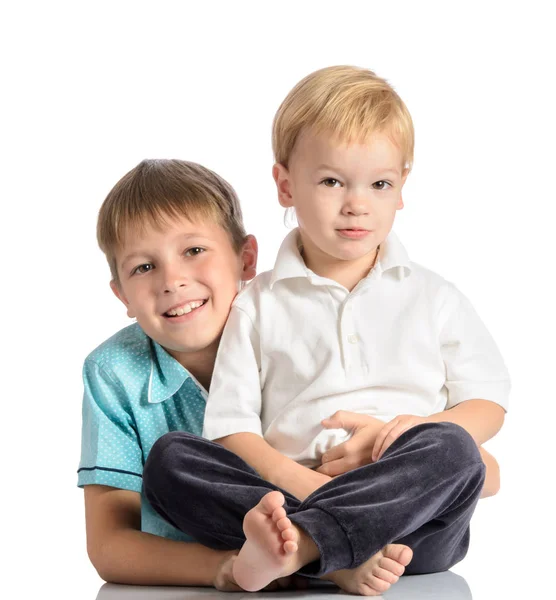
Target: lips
(353, 233)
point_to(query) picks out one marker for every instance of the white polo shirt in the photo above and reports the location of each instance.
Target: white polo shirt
(297, 347)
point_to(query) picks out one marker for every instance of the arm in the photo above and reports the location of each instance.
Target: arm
(274, 466)
(356, 452)
(477, 380)
(482, 419)
(122, 553)
(232, 416)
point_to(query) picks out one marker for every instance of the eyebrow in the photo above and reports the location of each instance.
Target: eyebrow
(325, 167)
(139, 253)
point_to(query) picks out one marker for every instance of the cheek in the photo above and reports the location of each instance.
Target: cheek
(225, 283)
(386, 210)
(315, 213)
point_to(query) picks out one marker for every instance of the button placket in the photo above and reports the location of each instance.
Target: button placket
(347, 335)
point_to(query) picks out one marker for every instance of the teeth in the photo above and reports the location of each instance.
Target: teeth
(183, 310)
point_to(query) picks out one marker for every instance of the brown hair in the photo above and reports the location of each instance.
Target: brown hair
(348, 102)
(157, 190)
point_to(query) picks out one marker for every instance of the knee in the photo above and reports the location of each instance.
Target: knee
(161, 461)
(451, 445)
(459, 444)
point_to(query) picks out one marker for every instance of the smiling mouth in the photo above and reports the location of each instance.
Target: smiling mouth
(185, 309)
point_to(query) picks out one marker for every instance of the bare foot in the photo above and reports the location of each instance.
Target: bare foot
(375, 576)
(274, 546)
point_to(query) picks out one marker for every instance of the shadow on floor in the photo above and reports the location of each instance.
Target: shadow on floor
(438, 586)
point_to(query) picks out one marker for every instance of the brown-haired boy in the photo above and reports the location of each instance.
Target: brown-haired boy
(173, 234)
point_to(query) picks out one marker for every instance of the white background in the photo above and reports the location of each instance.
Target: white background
(91, 88)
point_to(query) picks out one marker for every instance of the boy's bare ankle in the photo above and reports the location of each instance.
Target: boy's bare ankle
(308, 551)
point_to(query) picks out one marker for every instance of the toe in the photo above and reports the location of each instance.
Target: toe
(379, 586)
(290, 547)
(385, 575)
(399, 553)
(391, 565)
(289, 534)
(283, 524)
(271, 502)
(279, 513)
(405, 556)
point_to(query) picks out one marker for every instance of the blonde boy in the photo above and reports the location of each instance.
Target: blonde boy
(344, 321)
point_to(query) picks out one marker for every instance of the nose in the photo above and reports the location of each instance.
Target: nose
(356, 204)
(173, 278)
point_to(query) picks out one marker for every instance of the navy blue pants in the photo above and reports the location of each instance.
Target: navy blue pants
(422, 493)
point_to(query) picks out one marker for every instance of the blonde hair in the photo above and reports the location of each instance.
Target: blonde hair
(351, 103)
(159, 190)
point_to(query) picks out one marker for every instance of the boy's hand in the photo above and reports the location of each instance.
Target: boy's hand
(392, 431)
(356, 451)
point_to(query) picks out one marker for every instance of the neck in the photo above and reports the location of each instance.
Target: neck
(200, 364)
(345, 272)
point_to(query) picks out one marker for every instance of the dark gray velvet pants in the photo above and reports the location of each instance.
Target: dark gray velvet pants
(421, 493)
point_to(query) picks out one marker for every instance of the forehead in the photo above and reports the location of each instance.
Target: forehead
(378, 150)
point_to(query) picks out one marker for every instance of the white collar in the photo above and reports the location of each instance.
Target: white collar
(290, 264)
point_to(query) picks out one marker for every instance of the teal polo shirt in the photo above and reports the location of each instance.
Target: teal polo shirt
(134, 393)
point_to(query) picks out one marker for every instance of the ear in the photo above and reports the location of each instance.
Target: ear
(120, 295)
(282, 178)
(405, 173)
(249, 256)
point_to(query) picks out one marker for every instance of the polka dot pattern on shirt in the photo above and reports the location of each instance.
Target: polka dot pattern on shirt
(134, 392)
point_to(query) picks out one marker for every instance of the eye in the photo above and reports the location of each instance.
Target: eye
(381, 185)
(194, 251)
(331, 182)
(142, 268)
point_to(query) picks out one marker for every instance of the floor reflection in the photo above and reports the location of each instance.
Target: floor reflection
(439, 586)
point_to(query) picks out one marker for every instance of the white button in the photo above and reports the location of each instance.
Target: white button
(352, 338)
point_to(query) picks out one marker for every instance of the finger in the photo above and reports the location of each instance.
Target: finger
(334, 453)
(336, 467)
(341, 419)
(392, 437)
(381, 437)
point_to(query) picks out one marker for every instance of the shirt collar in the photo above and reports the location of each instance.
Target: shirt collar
(167, 374)
(393, 257)
(289, 262)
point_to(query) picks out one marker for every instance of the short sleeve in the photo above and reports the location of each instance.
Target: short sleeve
(474, 366)
(234, 402)
(110, 450)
